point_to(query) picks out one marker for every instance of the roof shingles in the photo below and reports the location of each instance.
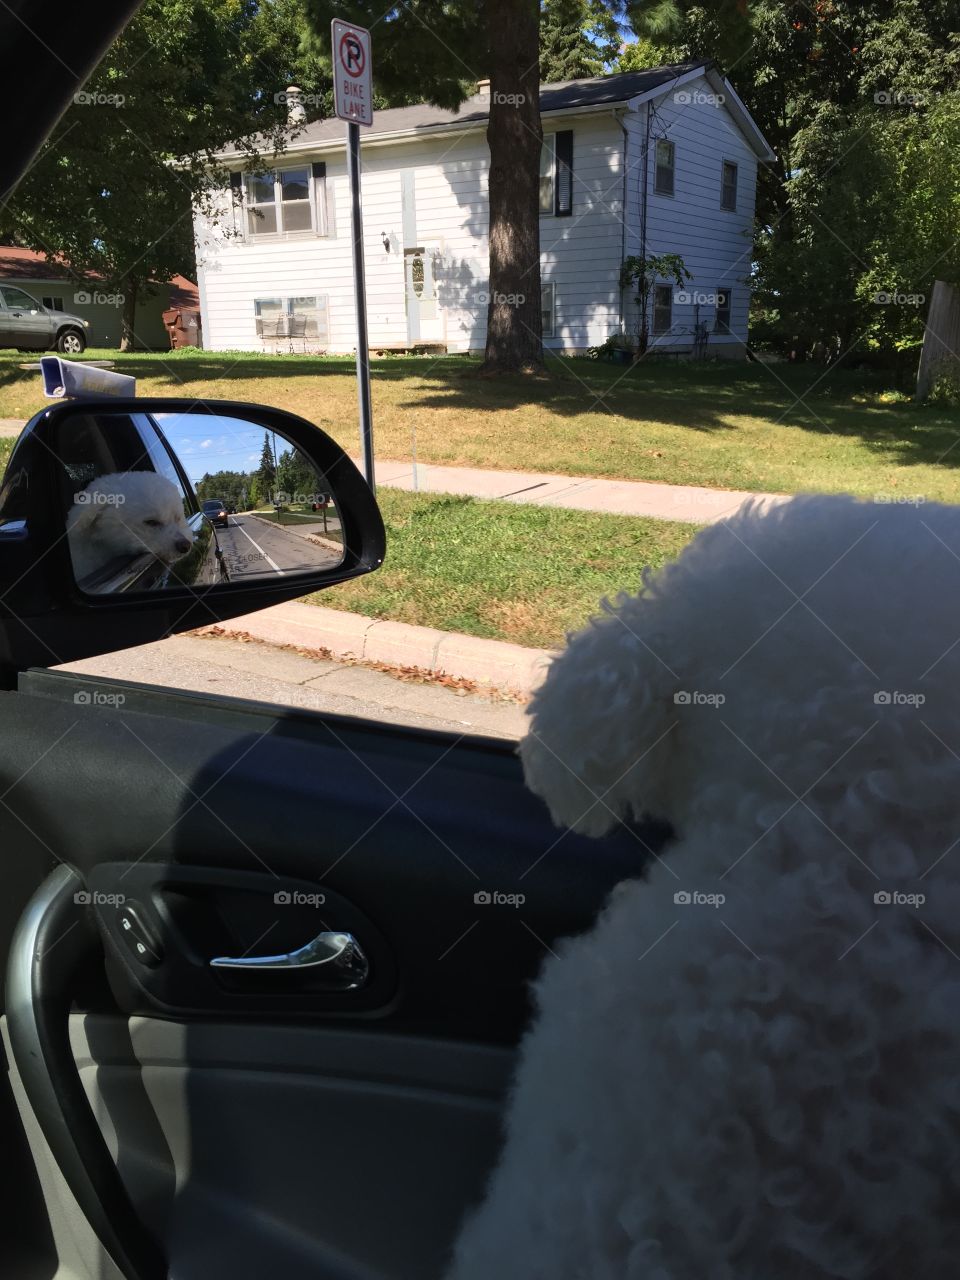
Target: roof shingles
(567, 95)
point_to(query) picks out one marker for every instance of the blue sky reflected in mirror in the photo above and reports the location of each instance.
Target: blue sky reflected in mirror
(207, 443)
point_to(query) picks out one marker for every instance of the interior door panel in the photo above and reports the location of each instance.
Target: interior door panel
(280, 1122)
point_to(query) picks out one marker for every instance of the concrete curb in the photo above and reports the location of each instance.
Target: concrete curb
(350, 635)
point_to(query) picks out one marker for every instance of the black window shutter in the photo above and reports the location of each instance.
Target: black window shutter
(563, 186)
(236, 191)
(325, 225)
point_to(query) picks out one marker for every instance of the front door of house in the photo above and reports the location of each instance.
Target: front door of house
(424, 317)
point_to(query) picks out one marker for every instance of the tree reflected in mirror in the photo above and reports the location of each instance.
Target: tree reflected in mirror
(167, 499)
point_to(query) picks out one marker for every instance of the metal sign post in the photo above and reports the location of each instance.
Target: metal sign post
(353, 102)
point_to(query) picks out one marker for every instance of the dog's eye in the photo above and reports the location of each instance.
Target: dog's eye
(154, 524)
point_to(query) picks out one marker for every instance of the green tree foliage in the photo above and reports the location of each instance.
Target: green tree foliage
(578, 39)
(296, 477)
(230, 487)
(266, 474)
(111, 192)
(860, 103)
(641, 273)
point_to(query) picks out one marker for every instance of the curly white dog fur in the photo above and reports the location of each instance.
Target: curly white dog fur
(127, 513)
(749, 1069)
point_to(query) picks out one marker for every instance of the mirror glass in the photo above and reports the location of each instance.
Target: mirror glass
(158, 500)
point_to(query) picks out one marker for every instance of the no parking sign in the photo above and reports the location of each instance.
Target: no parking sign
(353, 102)
(352, 73)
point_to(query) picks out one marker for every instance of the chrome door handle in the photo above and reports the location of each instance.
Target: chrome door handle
(339, 955)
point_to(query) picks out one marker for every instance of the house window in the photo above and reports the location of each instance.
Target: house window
(303, 316)
(286, 201)
(556, 173)
(665, 158)
(721, 323)
(547, 180)
(662, 308)
(548, 310)
(728, 186)
(53, 304)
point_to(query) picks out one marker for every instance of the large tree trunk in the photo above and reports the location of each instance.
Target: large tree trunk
(515, 136)
(128, 315)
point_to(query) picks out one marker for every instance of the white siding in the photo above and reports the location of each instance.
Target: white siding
(580, 254)
(715, 243)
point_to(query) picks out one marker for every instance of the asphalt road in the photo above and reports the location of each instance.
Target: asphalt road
(253, 548)
(262, 673)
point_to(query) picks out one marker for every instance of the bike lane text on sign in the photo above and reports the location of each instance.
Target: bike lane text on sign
(352, 73)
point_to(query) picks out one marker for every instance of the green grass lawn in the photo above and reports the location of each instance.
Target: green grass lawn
(293, 517)
(723, 424)
(526, 574)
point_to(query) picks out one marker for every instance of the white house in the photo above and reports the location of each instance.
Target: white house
(658, 161)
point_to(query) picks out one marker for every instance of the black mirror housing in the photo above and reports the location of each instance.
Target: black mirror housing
(45, 617)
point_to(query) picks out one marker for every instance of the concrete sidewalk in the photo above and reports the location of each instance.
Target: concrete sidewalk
(616, 497)
(492, 663)
(683, 502)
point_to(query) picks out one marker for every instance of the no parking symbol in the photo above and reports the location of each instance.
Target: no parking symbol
(352, 78)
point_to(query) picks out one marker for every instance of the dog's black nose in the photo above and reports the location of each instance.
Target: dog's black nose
(182, 546)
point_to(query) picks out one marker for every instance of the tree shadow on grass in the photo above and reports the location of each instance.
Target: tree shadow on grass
(709, 397)
(706, 396)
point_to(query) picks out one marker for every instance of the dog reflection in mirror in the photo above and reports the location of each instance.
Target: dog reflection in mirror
(128, 513)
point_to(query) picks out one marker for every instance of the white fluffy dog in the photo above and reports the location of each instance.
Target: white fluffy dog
(749, 1069)
(128, 513)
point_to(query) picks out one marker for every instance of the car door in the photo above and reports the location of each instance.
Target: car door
(28, 323)
(8, 325)
(267, 969)
(195, 1113)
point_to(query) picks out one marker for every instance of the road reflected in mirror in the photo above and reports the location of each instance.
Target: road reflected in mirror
(173, 499)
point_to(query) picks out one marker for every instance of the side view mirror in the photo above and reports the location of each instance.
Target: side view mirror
(127, 520)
